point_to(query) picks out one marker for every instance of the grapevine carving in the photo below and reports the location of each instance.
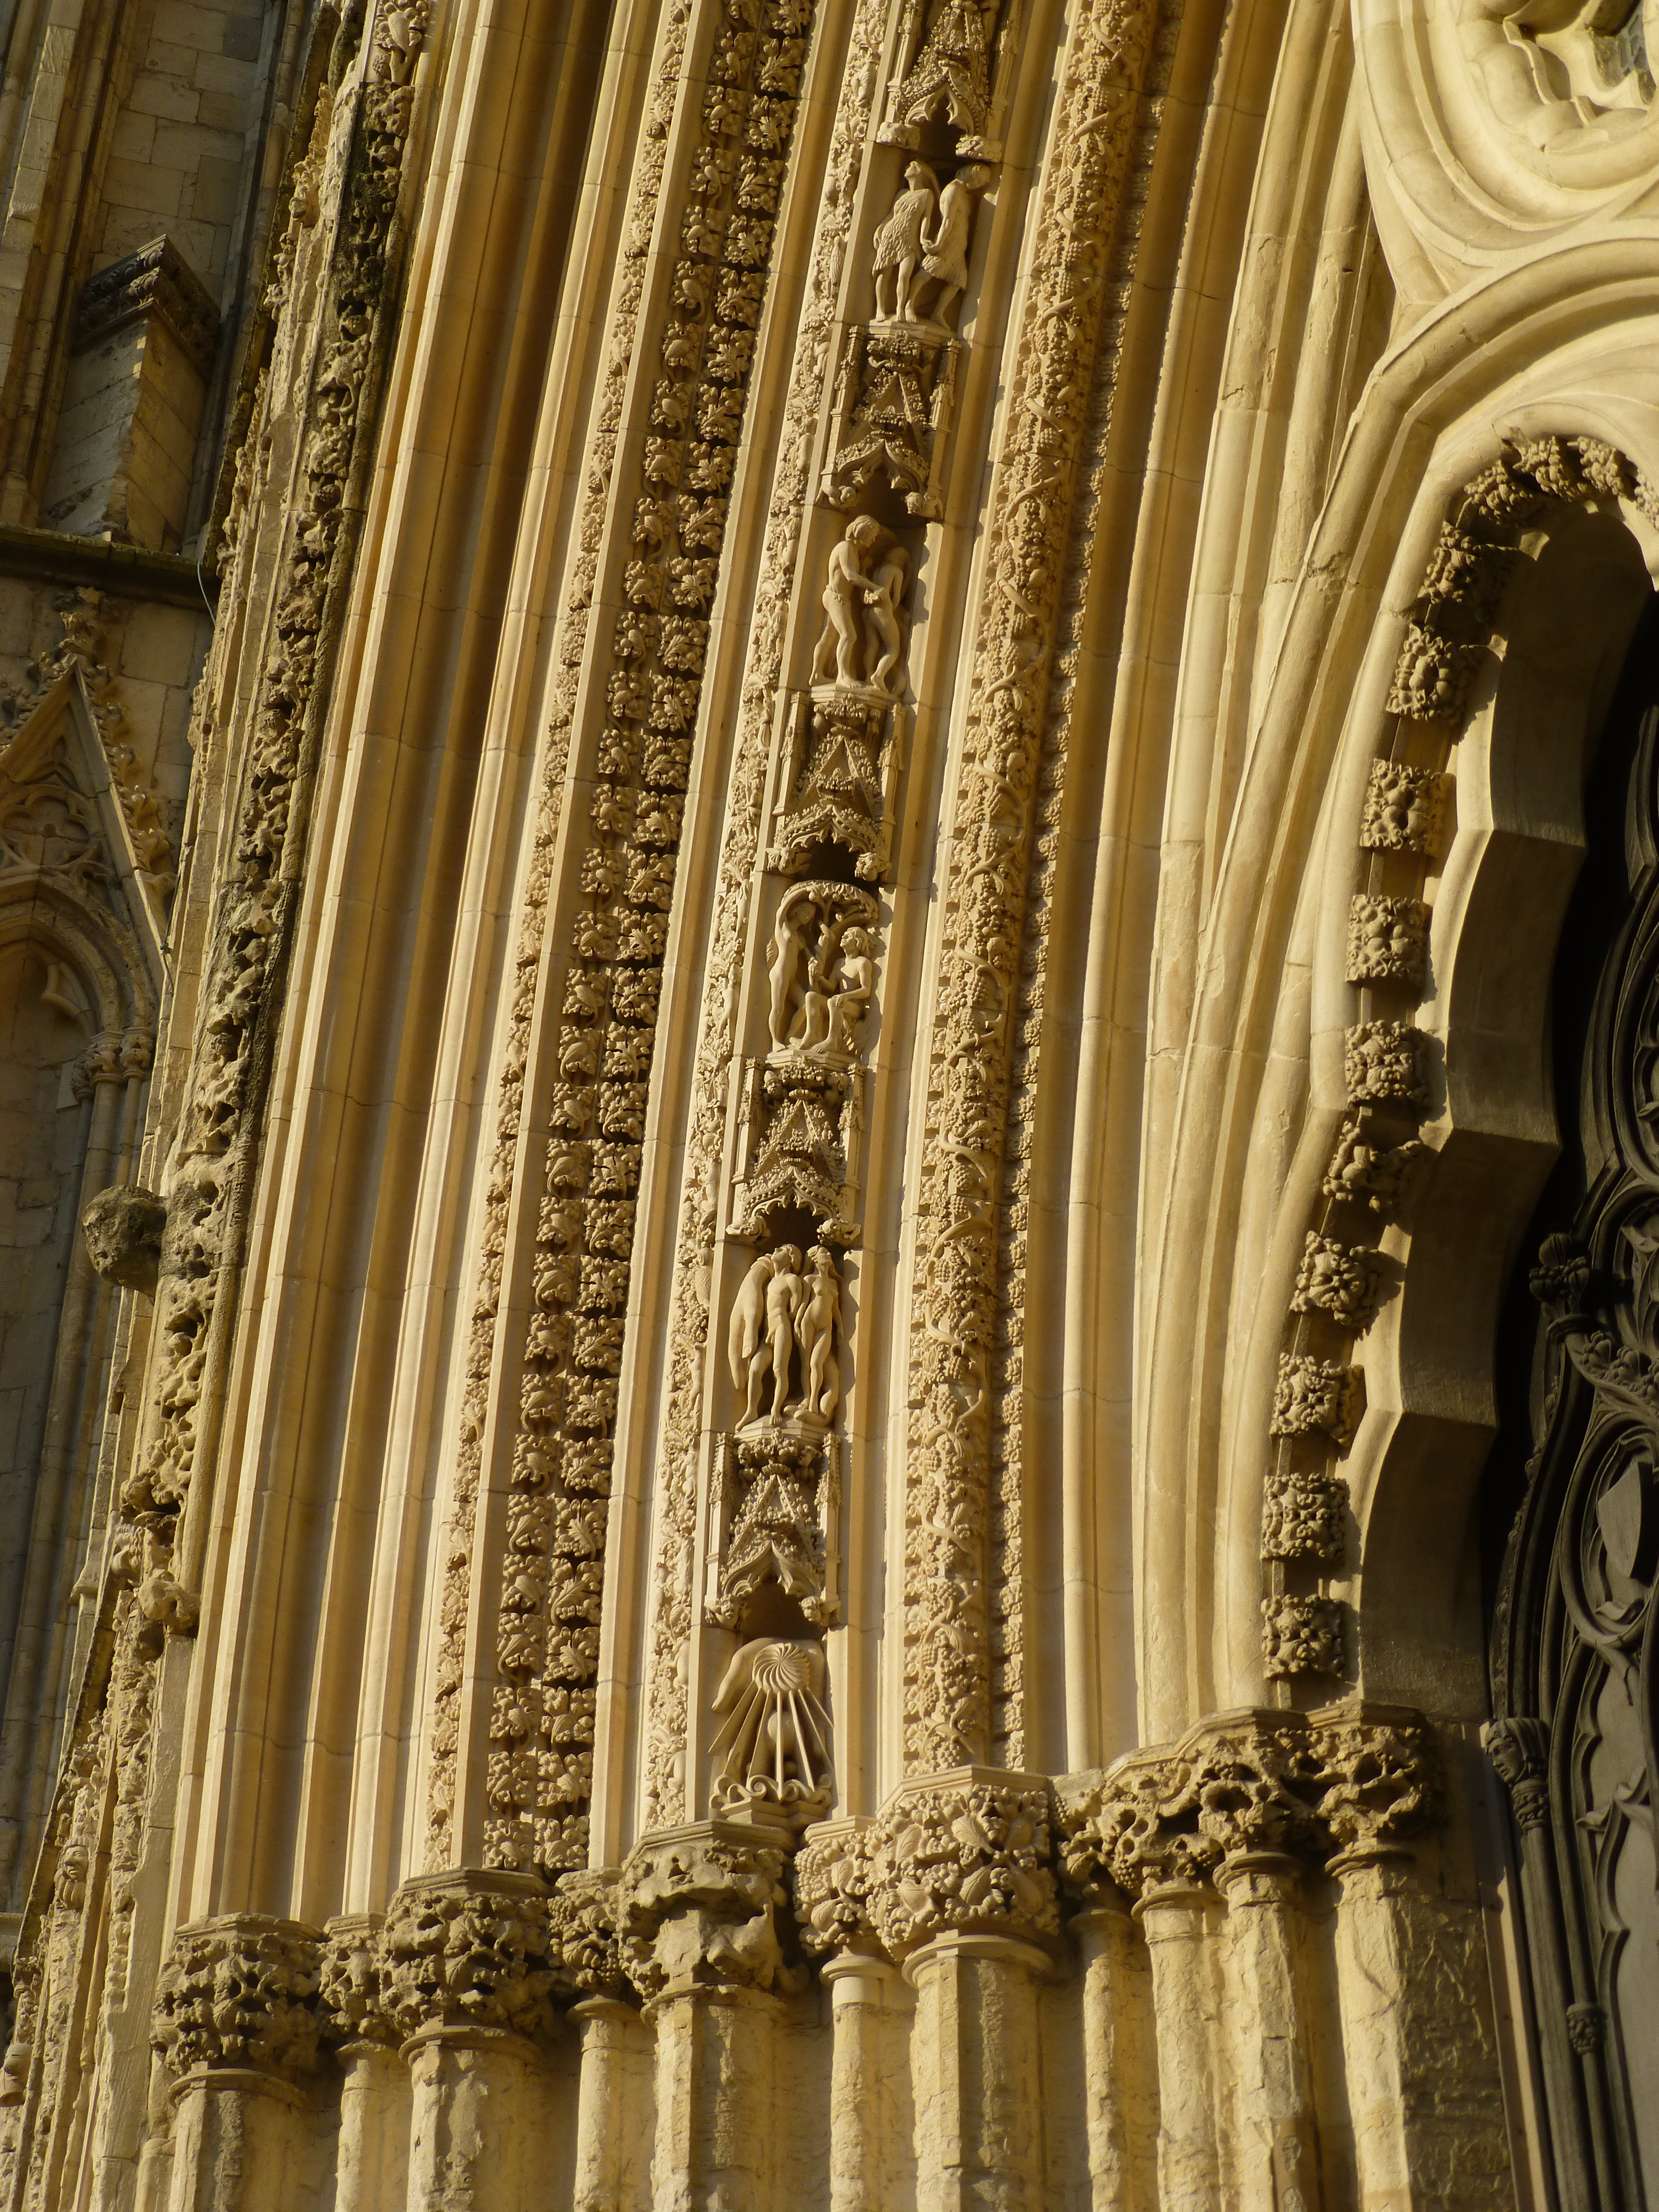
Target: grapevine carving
(948, 1672)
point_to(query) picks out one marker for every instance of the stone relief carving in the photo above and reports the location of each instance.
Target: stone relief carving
(1386, 1060)
(460, 1950)
(354, 1983)
(821, 973)
(1383, 1063)
(86, 616)
(1316, 1394)
(1337, 1279)
(1368, 1169)
(971, 1851)
(547, 1646)
(239, 1990)
(122, 1227)
(1309, 1785)
(836, 777)
(1519, 1752)
(895, 400)
(845, 791)
(1404, 809)
(782, 1339)
(1303, 1516)
(705, 1907)
(948, 80)
(775, 1513)
(771, 1756)
(951, 1578)
(861, 645)
(1387, 939)
(1301, 1636)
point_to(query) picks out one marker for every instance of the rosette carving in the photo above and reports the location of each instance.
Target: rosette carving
(239, 1991)
(469, 1950)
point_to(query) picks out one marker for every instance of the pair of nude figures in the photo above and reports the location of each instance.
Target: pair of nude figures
(817, 1018)
(862, 642)
(777, 1310)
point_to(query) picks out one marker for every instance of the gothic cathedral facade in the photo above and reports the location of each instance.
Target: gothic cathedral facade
(829, 1106)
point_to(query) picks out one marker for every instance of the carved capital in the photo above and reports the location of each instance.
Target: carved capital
(968, 1850)
(833, 1869)
(701, 1907)
(1113, 1831)
(1248, 1787)
(239, 1991)
(1379, 1773)
(353, 1982)
(583, 1917)
(468, 1949)
(1520, 1751)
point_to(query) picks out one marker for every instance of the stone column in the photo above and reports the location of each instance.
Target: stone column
(1519, 1751)
(962, 1894)
(613, 2109)
(1379, 1773)
(468, 1982)
(235, 2024)
(978, 2072)
(870, 2007)
(372, 2160)
(701, 1913)
(870, 2001)
(613, 2106)
(1175, 1918)
(1120, 2073)
(1277, 2161)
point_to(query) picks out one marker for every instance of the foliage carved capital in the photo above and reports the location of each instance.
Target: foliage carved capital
(239, 1990)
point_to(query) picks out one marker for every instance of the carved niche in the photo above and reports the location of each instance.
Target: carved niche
(1574, 1479)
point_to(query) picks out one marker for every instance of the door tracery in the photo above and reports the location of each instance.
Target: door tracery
(1573, 1630)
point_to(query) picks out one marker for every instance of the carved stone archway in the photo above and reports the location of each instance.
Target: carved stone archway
(1572, 1498)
